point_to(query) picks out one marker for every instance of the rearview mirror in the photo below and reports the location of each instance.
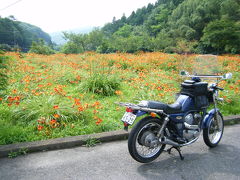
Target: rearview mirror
(227, 76)
(184, 73)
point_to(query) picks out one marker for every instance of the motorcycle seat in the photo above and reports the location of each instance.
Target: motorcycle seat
(169, 109)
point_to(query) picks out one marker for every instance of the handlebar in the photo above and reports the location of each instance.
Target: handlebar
(225, 76)
(215, 87)
(221, 89)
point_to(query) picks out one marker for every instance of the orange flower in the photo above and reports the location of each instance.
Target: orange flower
(39, 127)
(78, 77)
(10, 99)
(55, 107)
(118, 92)
(77, 101)
(56, 116)
(1, 99)
(56, 90)
(95, 111)
(99, 120)
(96, 103)
(80, 108)
(53, 121)
(14, 91)
(17, 98)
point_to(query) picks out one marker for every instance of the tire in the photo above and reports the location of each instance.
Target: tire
(212, 135)
(141, 134)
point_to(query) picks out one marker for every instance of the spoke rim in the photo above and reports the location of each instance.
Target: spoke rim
(144, 151)
(215, 133)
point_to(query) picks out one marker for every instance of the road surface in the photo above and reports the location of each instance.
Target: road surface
(112, 161)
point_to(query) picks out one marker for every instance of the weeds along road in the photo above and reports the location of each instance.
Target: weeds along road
(112, 161)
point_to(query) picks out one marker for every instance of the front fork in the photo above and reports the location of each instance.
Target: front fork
(215, 108)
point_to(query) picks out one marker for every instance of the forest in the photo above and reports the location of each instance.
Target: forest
(171, 26)
(16, 35)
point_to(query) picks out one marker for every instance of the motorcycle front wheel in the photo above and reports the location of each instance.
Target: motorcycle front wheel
(143, 144)
(213, 133)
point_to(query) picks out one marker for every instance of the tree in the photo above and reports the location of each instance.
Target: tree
(41, 48)
(162, 41)
(221, 36)
(182, 26)
(124, 31)
(77, 43)
(94, 39)
(230, 9)
(11, 17)
(157, 19)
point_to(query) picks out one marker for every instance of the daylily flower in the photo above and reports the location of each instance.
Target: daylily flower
(55, 107)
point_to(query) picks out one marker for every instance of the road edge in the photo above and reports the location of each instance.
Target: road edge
(73, 141)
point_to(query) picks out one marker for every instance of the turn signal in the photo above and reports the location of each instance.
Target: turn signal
(153, 114)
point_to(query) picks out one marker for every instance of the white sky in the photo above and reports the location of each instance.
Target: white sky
(59, 15)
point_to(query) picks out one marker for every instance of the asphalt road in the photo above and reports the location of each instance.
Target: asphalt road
(112, 161)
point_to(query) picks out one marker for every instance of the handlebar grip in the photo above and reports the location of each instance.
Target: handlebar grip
(221, 89)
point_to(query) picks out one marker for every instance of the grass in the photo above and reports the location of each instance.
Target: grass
(22, 151)
(92, 142)
(102, 84)
(43, 97)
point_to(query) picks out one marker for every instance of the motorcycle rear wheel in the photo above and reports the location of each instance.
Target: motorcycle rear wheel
(212, 134)
(143, 144)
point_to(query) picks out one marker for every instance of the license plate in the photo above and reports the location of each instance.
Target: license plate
(129, 117)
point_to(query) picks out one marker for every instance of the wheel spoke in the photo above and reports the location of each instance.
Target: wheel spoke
(215, 131)
(144, 150)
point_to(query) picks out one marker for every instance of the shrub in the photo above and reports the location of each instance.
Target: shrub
(13, 134)
(5, 47)
(101, 84)
(41, 48)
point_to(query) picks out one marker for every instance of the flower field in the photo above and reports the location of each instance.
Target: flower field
(60, 95)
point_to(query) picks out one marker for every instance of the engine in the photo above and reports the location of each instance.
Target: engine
(192, 123)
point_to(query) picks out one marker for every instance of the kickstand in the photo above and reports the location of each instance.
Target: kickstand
(178, 150)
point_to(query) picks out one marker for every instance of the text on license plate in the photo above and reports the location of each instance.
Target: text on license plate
(129, 117)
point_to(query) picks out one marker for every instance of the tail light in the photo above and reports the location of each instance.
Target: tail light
(129, 109)
(125, 124)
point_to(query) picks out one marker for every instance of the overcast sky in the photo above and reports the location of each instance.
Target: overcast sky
(59, 15)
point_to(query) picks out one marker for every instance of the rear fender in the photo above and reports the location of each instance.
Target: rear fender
(208, 117)
(140, 113)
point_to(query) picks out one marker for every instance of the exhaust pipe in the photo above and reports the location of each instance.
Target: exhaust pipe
(170, 142)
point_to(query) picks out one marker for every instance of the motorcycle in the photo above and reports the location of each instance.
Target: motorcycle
(178, 124)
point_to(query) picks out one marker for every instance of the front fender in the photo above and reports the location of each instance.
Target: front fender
(208, 117)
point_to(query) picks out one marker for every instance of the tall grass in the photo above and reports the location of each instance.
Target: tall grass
(3, 76)
(102, 84)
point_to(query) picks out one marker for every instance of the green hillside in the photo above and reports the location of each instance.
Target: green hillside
(206, 26)
(15, 33)
(172, 26)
